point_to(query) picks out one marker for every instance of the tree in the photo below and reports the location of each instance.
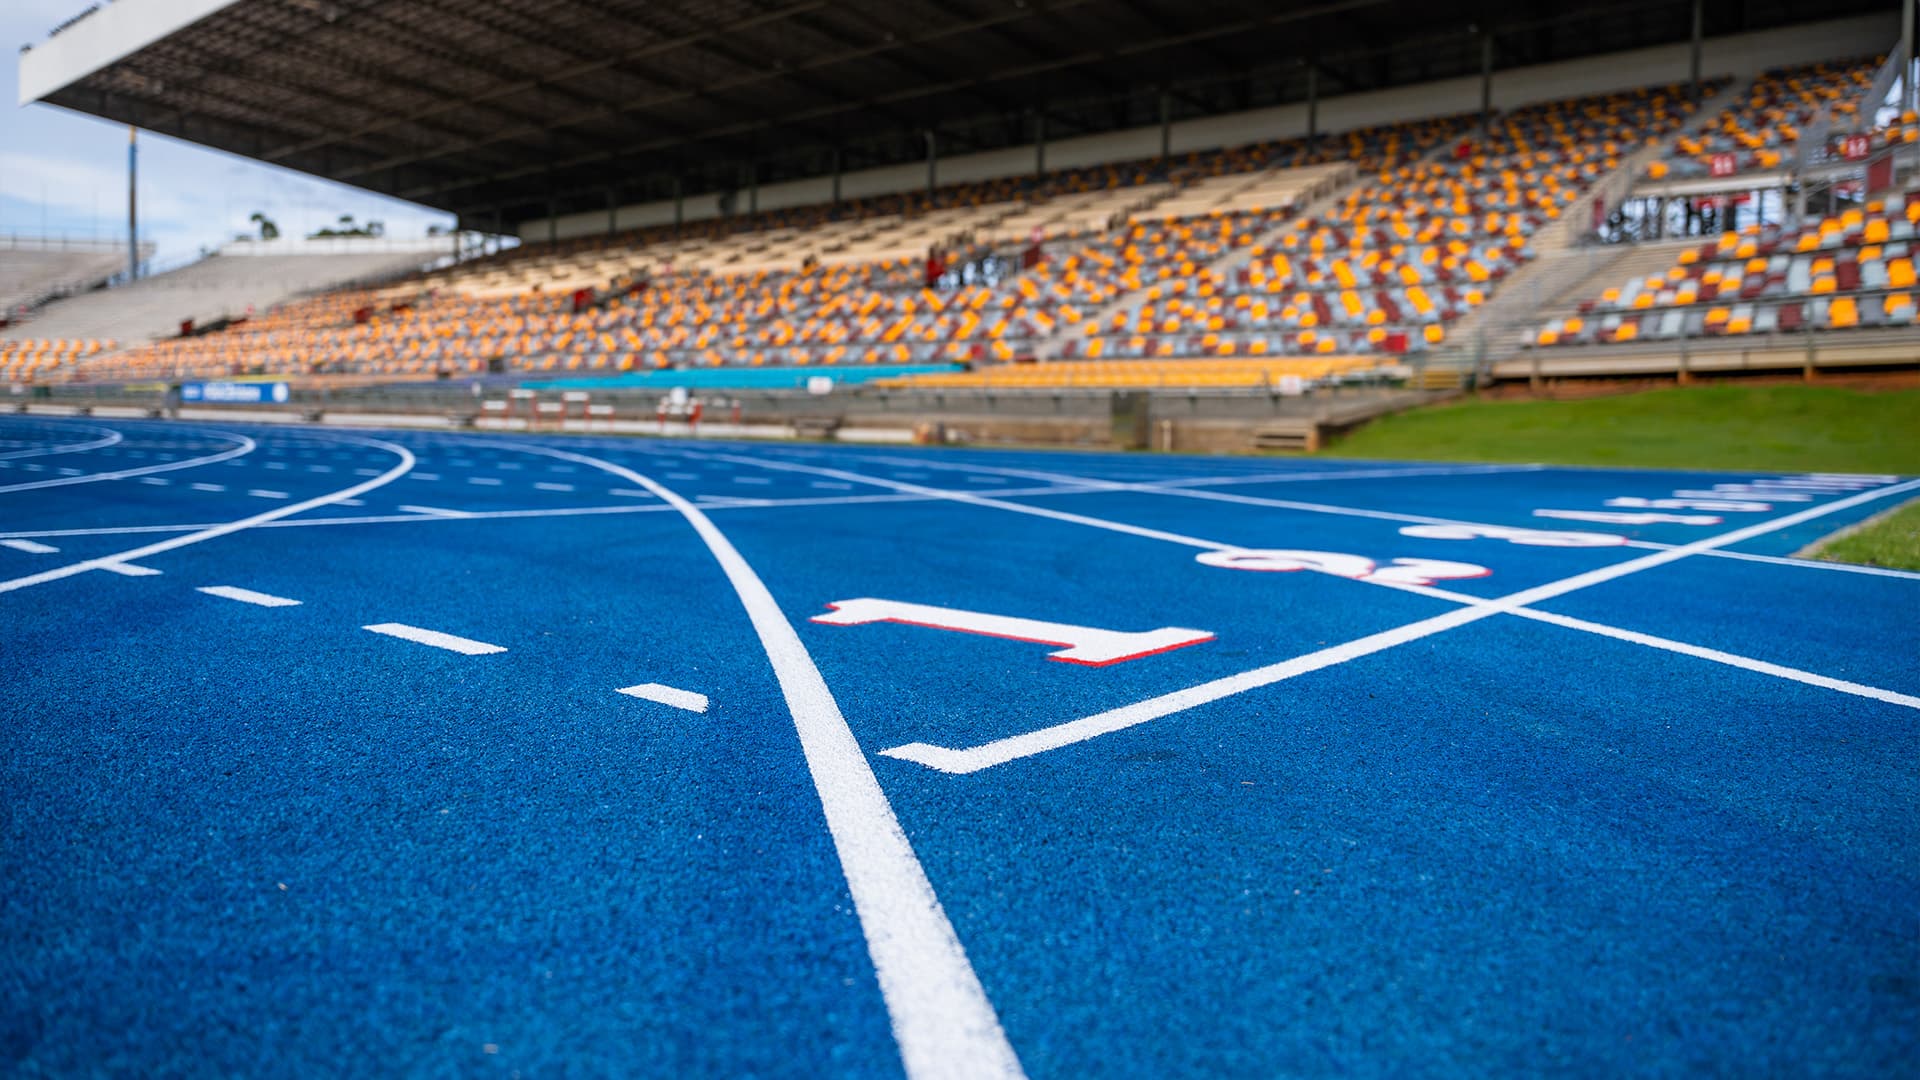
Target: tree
(268, 230)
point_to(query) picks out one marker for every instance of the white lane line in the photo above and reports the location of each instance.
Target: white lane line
(156, 481)
(277, 465)
(126, 569)
(245, 446)
(667, 695)
(425, 476)
(351, 502)
(366, 472)
(1001, 751)
(214, 532)
(682, 476)
(942, 1020)
(1816, 564)
(828, 485)
(450, 642)
(433, 511)
(1747, 663)
(247, 596)
(629, 493)
(111, 438)
(319, 468)
(29, 546)
(485, 481)
(209, 487)
(751, 480)
(263, 493)
(545, 486)
(67, 471)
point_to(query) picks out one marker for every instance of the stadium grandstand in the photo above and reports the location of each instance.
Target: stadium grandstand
(1073, 187)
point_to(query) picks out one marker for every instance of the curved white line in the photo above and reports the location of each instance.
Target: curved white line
(246, 447)
(214, 532)
(113, 437)
(942, 1020)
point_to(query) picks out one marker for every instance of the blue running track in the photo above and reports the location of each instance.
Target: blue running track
(341, 753)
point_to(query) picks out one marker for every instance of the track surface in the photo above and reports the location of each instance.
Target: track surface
(1545, 794)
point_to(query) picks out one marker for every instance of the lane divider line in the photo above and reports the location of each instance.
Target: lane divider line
(31, 547)
(226, 528)
(942, 1020)
(245, 446)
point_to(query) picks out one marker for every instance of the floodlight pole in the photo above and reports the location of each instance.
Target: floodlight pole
(133, 203)
(1699, 32)
(1166, 123)
(1907, 97)
(1313, 104)
(1486, 82)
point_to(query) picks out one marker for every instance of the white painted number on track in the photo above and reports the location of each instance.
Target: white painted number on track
(1336, 564)
(1526, 537)
(1621, 517)
(1724, 506)
(1087, 645)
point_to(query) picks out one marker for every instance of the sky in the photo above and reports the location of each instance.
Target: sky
(64, 174)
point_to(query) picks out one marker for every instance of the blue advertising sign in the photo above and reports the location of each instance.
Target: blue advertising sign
(234, 393)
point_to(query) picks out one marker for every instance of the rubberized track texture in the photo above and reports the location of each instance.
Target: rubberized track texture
(358, 753)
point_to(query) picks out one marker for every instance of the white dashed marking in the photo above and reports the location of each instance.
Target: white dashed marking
(485, 481)
(450, 642)
(29, 546)
(630, 493)
(667, 695)
(554, 487)
(433, 511)
(423, 476)
(128, 569)
(156, 481)
(263, 493)
(247, 596)
(209, 487)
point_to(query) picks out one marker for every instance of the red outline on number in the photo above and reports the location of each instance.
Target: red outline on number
(831, 606)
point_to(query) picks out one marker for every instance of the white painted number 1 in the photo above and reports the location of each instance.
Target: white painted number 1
(1088, 645)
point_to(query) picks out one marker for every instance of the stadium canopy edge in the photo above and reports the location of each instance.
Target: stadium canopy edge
(110, 33)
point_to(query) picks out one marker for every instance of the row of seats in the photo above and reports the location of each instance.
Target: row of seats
(1759, 130)
(1853, 269)
(1194, 256)
(1270, 373)
(24, 359)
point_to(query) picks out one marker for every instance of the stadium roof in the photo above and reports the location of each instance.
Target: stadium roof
(509, 108)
